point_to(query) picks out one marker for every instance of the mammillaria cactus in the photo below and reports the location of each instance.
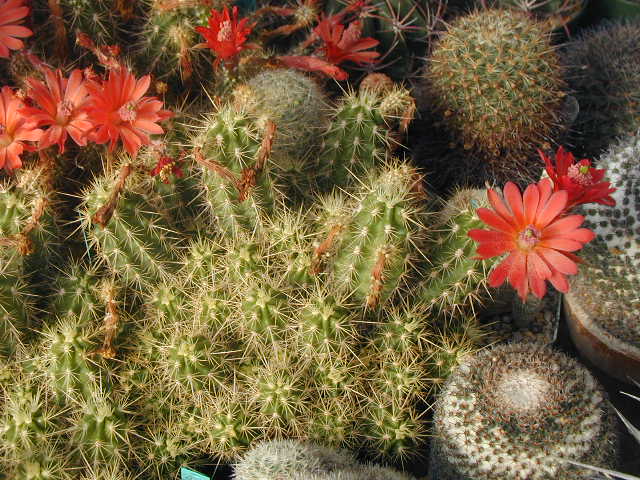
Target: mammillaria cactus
(518, 411)
(497, 84)
(603, 306)
(603, 72)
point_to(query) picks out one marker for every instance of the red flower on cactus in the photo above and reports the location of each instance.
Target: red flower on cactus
(12, 13)
(15, 130)
(582, 182)
(340, 45)
(61, 107)
(534, 234)
(226, 36)
(118, 109)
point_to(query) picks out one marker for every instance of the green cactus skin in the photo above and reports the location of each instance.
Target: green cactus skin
(456, 282)
(96, 18)
(101, 431)
(603, 71)
(362, 132)
(167, 41)
(137, 244)
(70, 370)
(28, 420)
(75, 292)
(16, 308)
(497, 83)
(393, 427)
(299, 108)
(231, 141)
(380, 242)
(47, 464)
(334, 421)
(283, 459)
(401, 331)
(518, 410)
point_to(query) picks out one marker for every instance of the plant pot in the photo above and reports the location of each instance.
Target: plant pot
(618, 359)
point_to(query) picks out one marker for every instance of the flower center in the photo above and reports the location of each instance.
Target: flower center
(580, 173)
(65, 108)
(127, 112)
(225, 32)
(529, 237)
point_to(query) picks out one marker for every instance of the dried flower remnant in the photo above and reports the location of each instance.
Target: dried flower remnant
(537, 237)
(12, 14)
(15, 130)
(119, 109)
(61, 104)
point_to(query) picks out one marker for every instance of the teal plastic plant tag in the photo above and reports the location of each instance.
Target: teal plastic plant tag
(188, 474)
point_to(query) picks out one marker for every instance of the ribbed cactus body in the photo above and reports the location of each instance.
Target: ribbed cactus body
(237, 189)
(517, 411)
(362, 132)
(75, 292)
(376, 248)
(168, 39)
(137, 243)
(98, 19)
(16, 308)
(456, 280)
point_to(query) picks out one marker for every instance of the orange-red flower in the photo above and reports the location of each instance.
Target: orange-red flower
(582, 182)
(12, 13)
(15, 130)
(61, 107)
(118, 109)
(167, 166)
(339, 45)
(226, 36)
(538, 239)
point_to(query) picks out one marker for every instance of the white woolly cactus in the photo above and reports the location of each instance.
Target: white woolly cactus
(619, 226)
(516, 412)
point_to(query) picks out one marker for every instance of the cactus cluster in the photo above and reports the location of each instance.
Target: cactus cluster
(520, 411)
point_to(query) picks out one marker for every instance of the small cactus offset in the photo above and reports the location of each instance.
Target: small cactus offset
(519, 411)
(364, 127)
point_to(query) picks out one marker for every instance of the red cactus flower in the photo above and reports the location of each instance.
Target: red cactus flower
(12, 13)
(15, 129)
(538, 239)
(340, 45)
(582, 182)
(118, 108)
(226, 36)
(61, 106)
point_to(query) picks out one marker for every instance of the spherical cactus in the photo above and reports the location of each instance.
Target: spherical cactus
(519, 411)
(496, 81)
(554, 13)
(298, 107)
(603, 306)
(603, 71)
(75, 293)
(96, 18)
(283, 459)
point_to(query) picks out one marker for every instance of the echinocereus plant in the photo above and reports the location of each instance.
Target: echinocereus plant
(536, 230)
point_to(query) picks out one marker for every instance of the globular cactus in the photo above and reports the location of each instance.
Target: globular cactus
(603, 72)
(554, 14)
(75, 291)
(236, 182)
(130, 235)
(518, 411)
(375, 246)
(16, 307)
(603, 300)
(98, 19)
(364, 127)
(47, 463)
(497, 83)
(284, 459)
(456, 280)
(299, 108)
(167, 41)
